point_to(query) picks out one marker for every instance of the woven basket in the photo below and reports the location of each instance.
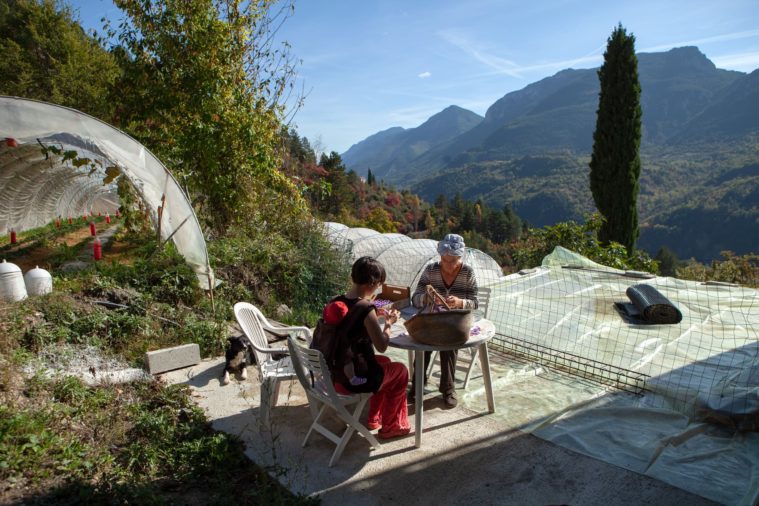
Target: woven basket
(448, 328)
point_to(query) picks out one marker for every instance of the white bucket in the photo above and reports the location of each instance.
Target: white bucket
(38, 282)
(12, 287)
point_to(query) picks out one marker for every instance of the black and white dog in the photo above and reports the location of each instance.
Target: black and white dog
(237, 356)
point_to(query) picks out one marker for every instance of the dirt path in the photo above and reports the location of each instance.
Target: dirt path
(41, 256)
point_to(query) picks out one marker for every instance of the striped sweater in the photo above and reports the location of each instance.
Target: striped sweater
(463, 287)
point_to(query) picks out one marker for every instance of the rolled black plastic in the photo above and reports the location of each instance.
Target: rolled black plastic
(652, 305)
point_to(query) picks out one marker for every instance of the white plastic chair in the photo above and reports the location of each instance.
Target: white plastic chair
(314, 376)
(271, 371)
(483, 303)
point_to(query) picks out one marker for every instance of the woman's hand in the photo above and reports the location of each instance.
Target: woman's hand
(391, 316)
(454, 302)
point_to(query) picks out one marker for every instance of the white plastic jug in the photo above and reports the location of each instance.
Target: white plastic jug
(38, 281)
(12, 287)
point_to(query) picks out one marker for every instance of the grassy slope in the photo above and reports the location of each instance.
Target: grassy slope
(62, 442)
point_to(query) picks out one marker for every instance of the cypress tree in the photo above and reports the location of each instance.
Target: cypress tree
(615, 162)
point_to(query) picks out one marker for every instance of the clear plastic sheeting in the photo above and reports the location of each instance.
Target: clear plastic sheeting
(37, 186)
(570, 315)
(405, 262)
(375, 245)
(695, 421)
(32, 184)
(332, 228)
(353, 235)
(404, 258)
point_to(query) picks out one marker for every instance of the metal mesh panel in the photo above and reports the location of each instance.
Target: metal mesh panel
(566, 318)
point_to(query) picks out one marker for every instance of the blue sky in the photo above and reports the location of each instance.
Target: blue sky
(368, 65)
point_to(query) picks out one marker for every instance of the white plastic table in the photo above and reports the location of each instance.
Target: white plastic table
(399, 338)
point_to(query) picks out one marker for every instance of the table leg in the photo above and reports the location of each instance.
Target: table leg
(419, 395)
(485, 366)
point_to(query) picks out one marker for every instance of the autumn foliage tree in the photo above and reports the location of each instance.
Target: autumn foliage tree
(204, 88)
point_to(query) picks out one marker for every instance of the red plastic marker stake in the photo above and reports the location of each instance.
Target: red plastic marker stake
(13, 236)
(118, 214)
(97, 249)
(70, 220)
(11, 142)
(57, 223)
(92, 228)
(107, 218)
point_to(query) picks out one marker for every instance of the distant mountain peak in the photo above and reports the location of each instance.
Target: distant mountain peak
(391, 149)
(680, 59)
(452, 113)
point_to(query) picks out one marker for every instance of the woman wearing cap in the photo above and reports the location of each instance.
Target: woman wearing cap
(456, 282)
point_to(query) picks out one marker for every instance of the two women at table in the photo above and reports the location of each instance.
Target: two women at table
(455, 281)
(387, 407)
(452, 279)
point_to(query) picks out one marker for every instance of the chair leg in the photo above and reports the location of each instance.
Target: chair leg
(313, 405)
(353, 425)
(268, 387)
(269, 394)
(470, 368)
(315, 423)
(275, 391)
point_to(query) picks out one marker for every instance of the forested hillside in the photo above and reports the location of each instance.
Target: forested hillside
(700, 126)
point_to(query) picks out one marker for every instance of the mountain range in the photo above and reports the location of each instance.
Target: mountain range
(699, 151)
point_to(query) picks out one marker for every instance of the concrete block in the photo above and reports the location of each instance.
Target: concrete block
(168, 359)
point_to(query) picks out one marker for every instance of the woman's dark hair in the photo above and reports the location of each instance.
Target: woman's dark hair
(367, 270)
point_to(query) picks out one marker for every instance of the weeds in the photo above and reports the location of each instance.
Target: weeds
(139, 443)
(62, 442)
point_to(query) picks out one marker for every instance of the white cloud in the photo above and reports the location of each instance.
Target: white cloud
(512, 68)
(497, 63)
(424, 75)
(705, 40)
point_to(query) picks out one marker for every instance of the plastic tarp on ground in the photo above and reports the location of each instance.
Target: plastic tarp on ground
(404, 258)
(695, 424)
(36, 187)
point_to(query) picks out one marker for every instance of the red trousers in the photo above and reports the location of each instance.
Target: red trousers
(388, 406)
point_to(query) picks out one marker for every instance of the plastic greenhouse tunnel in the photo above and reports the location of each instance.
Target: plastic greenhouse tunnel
(58, 162)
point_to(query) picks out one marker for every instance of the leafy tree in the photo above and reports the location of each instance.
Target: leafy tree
(341, 195)
(429, 221)
(668, 261)
(204, 88)
(380, 220)
(458, 205)
(468, 219)
(743, 270)
(47, 56)
(582, 239)
(615, 162)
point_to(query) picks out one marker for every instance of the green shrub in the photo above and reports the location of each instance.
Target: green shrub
(582, 239)
(743, 270)
(270, 269)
